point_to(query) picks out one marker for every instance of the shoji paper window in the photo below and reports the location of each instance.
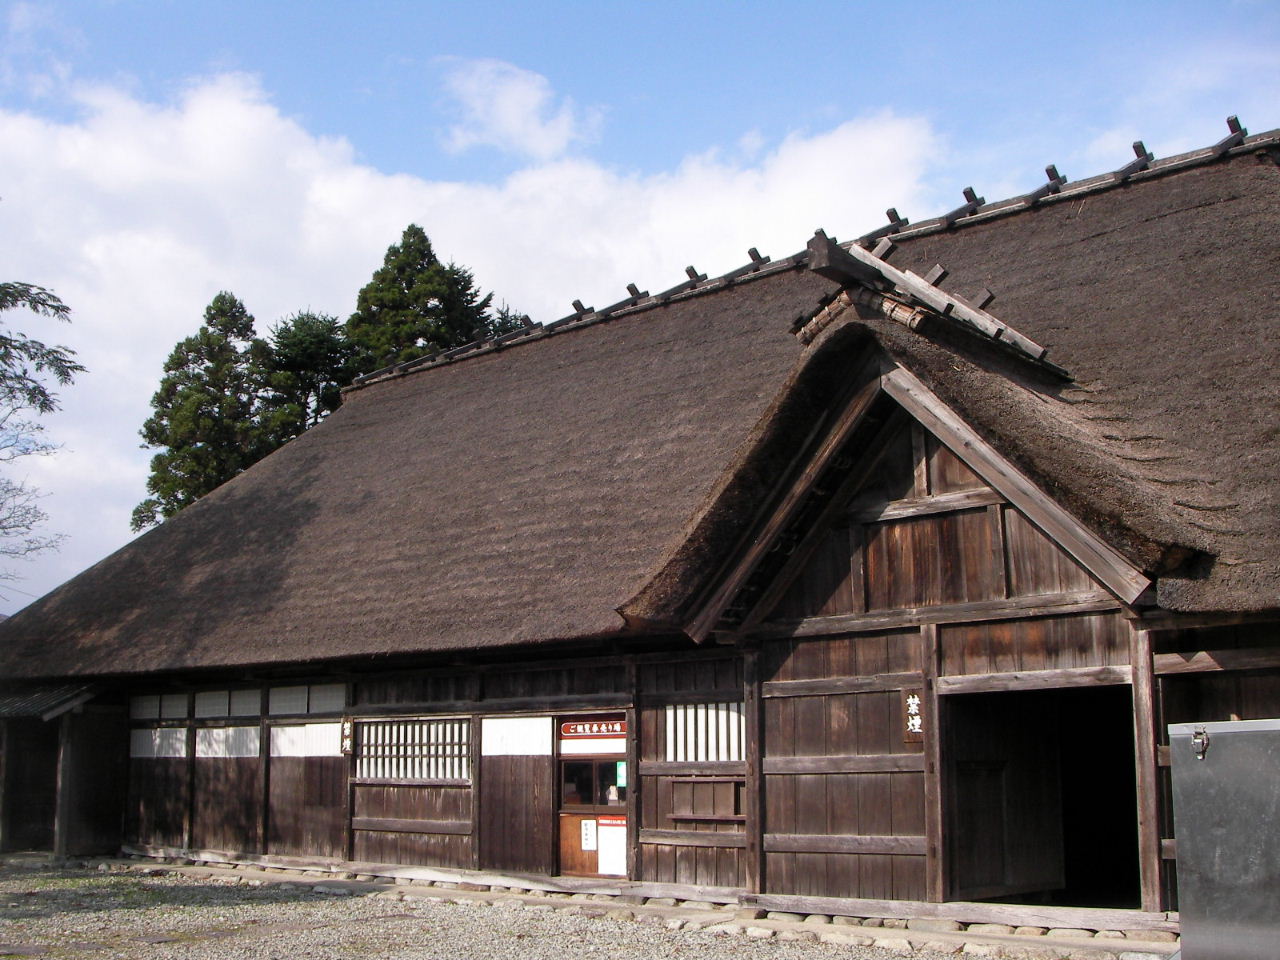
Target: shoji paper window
(705, 732)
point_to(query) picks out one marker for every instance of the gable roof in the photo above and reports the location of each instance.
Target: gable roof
(531, 490)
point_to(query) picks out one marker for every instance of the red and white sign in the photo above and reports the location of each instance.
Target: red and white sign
(580, 729)
(612, 821)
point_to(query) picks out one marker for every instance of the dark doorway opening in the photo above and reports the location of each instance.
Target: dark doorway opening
(1041, 801)
(29, 788)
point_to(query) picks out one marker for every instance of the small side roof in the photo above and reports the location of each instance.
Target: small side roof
(43, 701)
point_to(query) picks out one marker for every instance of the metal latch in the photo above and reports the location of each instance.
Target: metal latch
(1200, 742)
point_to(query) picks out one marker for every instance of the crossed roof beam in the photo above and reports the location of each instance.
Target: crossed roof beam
(870, 269)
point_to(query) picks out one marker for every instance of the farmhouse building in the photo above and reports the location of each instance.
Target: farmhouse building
(832, 584)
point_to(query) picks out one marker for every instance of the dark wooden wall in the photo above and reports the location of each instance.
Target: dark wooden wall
(1042, 643)
(413, 824)
(159, 801)
(518, 814)
(844, 781)
(929, 533)
(93, 782)
(227, 807)
(307, 806)
(985, 604)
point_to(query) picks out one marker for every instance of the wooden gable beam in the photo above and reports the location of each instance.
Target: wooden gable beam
(873, 453)
(1105, 563)
(761, 540)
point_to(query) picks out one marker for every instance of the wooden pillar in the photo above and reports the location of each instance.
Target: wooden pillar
(1148, 782)
(64, 789)
(476, 747)
(264, 766)
(935, 840)
(349, 775)
(633, 771)
(754, 787)
(189, 817)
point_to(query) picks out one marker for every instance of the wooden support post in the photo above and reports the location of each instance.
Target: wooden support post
(475, 785)
(753, 704)
(264, 762)
(920, 458)
(349, 774)
(935, 841)
(63, 788)
(633, 773)
(1148, 784)
(189, 816)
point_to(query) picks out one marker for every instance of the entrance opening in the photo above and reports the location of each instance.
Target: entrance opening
(1041, 797)
(30, 787)
(593, 795)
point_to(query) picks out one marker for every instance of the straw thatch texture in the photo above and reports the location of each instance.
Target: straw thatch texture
(516, 497)
(1162, 298)
(528, 495)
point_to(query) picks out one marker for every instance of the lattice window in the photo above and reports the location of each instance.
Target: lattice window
(414, 749)
(706, 732)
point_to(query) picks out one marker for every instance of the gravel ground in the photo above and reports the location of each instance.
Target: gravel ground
(71, 913)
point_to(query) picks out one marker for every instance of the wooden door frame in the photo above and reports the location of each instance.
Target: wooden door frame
(939, 876)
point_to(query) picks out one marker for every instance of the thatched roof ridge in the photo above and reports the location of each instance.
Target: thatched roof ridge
(760, 267)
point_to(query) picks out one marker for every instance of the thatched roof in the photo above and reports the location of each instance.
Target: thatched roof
(1162, 299)
(526, 494)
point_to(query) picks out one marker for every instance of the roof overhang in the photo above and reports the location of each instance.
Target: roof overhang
(44, 701)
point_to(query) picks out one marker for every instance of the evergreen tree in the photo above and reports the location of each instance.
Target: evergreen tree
(415, 305)
(209, 412)
(310, 363)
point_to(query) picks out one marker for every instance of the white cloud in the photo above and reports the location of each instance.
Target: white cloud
(514, 110)
(137, 213)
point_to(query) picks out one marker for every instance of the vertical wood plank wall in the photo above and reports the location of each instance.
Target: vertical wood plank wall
(517, 814)
(227, 804)
(159, 800)
(853, 806)
(306, 806)
(844, 783)
(29, 786)
(843, 794)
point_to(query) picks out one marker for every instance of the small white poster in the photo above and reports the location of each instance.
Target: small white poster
(588, 834)
(613, 847)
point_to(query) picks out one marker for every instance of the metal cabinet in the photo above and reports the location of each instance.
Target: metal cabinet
(1226, 800)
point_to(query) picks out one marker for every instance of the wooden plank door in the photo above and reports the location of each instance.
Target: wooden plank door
(517, 795)
(1003, 795)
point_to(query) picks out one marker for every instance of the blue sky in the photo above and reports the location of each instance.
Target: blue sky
(154, 153)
